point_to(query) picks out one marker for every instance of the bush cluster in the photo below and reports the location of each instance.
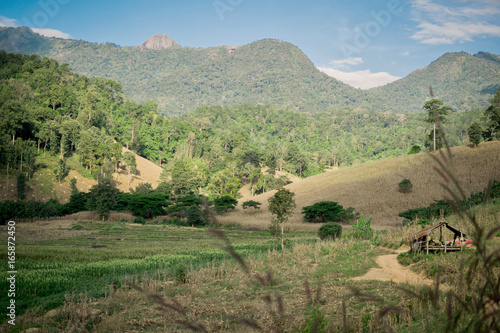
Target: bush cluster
(224, 203)
(405, 186)
(442, 208)
(29, 210)
(328, 211)
(330, 230)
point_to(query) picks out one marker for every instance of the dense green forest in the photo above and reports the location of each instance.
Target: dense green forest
(273, 72)
(463, 81)
(45, 108)
(181, 79)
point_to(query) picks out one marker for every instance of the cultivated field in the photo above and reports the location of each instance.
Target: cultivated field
(72, 276)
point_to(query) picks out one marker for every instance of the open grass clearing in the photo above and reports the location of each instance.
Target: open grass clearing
(59, 257)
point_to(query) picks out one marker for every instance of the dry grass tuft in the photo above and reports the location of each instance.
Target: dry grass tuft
(94, 216)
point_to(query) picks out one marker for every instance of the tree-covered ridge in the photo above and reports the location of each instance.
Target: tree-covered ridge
(182, 79)
(461, 80)
(264, 72)
(46, 105)
(47, 108)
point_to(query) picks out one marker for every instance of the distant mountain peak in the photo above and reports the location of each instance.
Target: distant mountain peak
(158, 42)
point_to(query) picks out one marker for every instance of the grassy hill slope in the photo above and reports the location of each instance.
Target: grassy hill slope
(44, 186)
(372, 188)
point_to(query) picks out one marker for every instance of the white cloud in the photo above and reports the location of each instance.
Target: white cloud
(8, 22)
(364, 79)
(51, 33)
(438, 24)
(450, 33)
(347, 62)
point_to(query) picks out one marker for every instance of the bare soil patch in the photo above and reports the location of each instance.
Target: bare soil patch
(146, 172)
(391, 270)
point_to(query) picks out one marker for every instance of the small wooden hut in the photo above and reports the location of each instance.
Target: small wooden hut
(422, 241)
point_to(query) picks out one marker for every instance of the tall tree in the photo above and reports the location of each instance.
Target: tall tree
(436, 112)
(475, 132)
(102, 198)
(492, 115)
(13, 118)
(130, 162)
(29, 157)
(281, 204)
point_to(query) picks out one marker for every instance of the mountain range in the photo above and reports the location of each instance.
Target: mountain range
(180, 79)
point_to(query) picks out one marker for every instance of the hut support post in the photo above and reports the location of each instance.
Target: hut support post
(444, 242)
(427, 244)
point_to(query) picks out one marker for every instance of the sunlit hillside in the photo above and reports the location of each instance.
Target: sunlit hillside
(372, 188)
(44, 186)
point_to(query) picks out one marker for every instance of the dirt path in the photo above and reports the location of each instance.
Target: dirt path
(391, 270)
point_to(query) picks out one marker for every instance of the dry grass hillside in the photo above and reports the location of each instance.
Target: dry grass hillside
(44, 186)
(372, 188)
(146, 172)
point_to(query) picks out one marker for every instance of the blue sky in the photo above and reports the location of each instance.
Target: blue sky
(362, 42)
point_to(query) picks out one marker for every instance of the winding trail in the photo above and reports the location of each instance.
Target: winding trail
(391, 270)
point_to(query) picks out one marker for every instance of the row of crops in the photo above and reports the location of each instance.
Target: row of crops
(44, 283)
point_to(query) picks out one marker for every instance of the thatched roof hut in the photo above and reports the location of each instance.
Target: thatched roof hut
(422, 241)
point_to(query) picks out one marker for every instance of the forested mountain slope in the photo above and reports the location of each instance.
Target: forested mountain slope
(180, 79)
(461, 80)
(45, 108)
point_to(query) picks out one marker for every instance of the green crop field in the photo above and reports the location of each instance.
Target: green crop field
(90, 256)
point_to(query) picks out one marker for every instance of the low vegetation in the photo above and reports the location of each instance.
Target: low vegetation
(330, 230)
(328, 211)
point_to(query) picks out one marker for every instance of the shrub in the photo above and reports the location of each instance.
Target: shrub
(331, 230)
(361, 229)
(140, 220)
(28, 209)
(327, 211)
(193, 216)
(183, 204)
(143, 188)
(77, 203)
(405, 186)
(21, 185)
(475, 133)
(145, 205)
(181, 274)
(224, 203)
(61, 171)
(415, 149)
(164, 188)
(102, 198)
(251, 203)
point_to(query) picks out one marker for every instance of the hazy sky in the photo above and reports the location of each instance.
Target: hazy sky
(361, 42)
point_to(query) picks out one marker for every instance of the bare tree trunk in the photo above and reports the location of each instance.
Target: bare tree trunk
(128, 176)
(282, 233)
(434, 136)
